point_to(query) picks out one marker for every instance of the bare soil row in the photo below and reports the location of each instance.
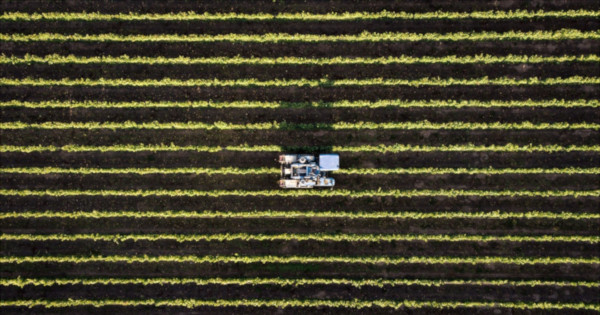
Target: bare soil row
(296, 27)
(297, 93)
(270, 72)
(305, 203)
(556, 272)
(268, 181)
(287, 113)
(334, 292)
(269, 159)
(325, 138)
(302, 248)
(314, 50)
(266, 225)
(289, 310)
(154, 6)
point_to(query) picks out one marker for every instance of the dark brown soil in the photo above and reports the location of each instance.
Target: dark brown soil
(257, 182)
(327, 49)
(267, 159)
(268, 6)
(299, 94)
(294, 113)
(413, 292)
(294, 27)
(308, 225)
(333, 72)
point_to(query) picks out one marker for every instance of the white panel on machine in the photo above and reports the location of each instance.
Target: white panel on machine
(329, 162)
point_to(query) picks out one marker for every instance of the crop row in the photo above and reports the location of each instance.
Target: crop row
(291, 303)
(286, 282)
(265, 170)
(297, 16)
(323, 83)
(562, 34)
(275, 148)
(320, 237)
(270, 259)
(237, 60)
(222, 125)
(339, 104)
(301, 193)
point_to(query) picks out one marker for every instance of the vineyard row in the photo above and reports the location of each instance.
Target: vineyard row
(563, 34)
(285, 282)
(319, 237)
(275, 148)
(297, 16)
(270, 259)
(273, 171)
(362, 125)
(171, 214)
(300, 193)
(346, 304)
(404, 59)
(339, 104)
(323, 83)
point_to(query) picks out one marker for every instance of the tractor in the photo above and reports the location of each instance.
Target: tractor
(307, 170)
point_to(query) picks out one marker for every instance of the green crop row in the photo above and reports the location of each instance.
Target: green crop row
(271, 259)
(272, 171)
(395, 148)
(291, 303)
(323, 83)
(301, 193)
(171, 214)
(222, 125)
(286, 282)
(289, 60)
(318, 237)
(338, 104)
(296, 16)
(562, 34)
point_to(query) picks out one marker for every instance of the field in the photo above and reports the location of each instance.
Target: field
(139, 140)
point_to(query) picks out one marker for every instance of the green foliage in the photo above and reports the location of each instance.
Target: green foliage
(174, 214)
(301, 193)
(556, 35)
(273, 171)
(285, 282)
(338, 104)
(318, 237)
(291, 303)
(394, 148)
(221, 125)
(290, 60)
(296, 16)
(271, 259)
(323, 83)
